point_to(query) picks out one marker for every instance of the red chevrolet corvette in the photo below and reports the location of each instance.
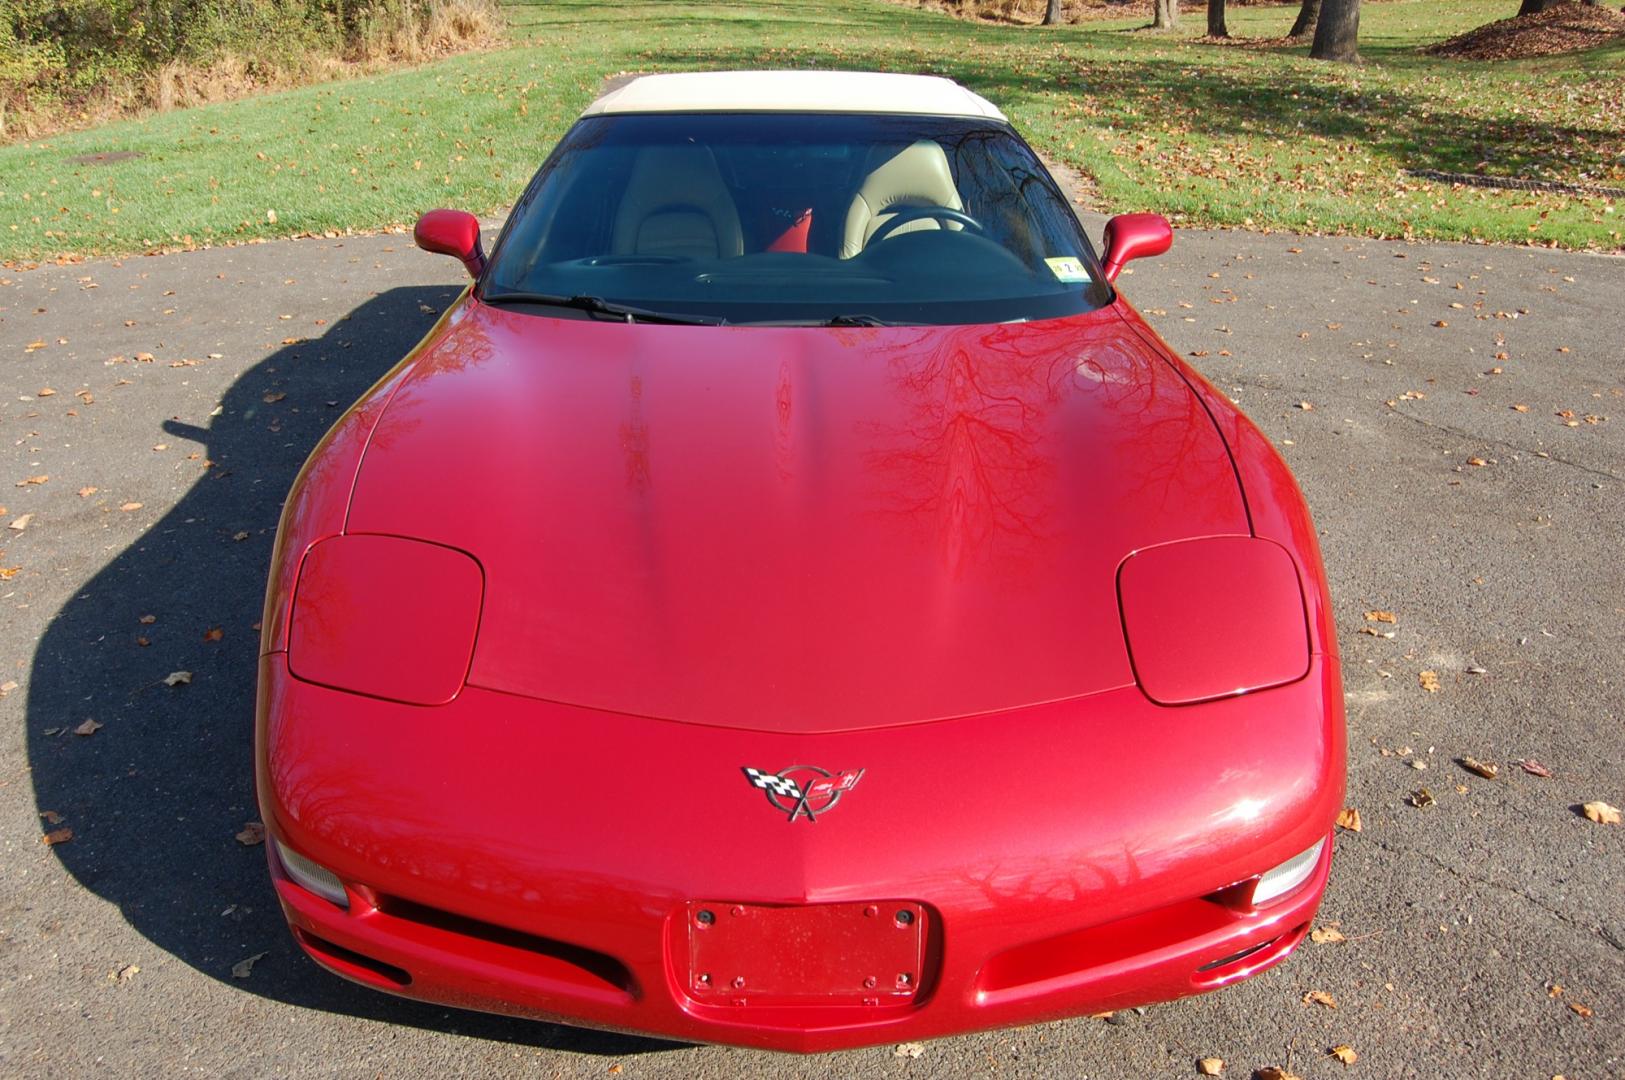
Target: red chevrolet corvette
(791, 599)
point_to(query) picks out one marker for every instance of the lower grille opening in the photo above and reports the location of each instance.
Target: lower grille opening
(1242, 955)
(518, 949)
(352, 962)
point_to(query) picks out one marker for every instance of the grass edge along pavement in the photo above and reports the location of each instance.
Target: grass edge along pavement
(1212, 135)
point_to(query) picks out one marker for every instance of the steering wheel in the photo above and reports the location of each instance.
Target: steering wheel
(903, 215)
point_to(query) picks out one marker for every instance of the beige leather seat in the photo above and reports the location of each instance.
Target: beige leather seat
(918, 175)
(677, 204)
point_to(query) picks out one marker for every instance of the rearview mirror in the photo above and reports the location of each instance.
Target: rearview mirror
(1134, 236)
(452, 232)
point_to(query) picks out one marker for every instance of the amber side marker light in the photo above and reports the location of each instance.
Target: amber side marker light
(311, 876)
(1288, 876)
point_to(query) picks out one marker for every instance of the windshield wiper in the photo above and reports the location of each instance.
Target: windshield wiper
(597, 305)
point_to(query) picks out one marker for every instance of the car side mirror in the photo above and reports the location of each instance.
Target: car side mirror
(1134, 236)
(452, 232)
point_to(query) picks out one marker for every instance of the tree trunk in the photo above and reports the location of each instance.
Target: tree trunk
(1308, 16)
(1530, 7)
(1337, 35)
(1165, 14)
(1215, 19)
(1052, 14)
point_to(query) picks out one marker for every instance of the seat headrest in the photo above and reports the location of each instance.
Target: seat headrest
(916, 175)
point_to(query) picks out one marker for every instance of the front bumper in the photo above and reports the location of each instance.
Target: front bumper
(538, 860)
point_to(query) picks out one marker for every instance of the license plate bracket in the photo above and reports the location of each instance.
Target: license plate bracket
(868, 953)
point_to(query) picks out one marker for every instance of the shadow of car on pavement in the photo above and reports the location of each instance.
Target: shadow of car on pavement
(155, 809)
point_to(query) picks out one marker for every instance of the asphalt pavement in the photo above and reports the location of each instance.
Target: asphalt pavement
(1454, 413)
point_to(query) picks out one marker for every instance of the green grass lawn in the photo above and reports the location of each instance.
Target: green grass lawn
(1210, 135)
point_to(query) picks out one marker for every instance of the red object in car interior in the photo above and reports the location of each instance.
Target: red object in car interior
(794, 238)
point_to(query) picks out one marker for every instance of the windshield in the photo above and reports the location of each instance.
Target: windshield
(795, 219)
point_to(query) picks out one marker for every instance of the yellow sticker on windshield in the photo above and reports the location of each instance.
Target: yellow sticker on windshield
(1067, 269)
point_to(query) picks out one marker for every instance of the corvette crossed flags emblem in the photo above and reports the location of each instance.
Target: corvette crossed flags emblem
(804, 790)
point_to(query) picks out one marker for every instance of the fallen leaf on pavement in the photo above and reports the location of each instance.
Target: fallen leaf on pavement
(1307, 406)
(89, 727)
(1533, 767)
(20, 522)
(148, 620)
(35, 480)
(214, 633)
(1210, 1066)
(1326, 935)
(1320, 997)
(1601, 813)
(86, 492)
(1274, 1072)
(274, 396)
(7, 687)
(177, 678)
(127, 507)
(1481, 768)
(1579, 1010)
(242, 968)
(1429, 681)
(1345, 1053)
(1349, 818)
(908, 1050)
(1381, 616)
(1421, 798)
(56, 836)
(253, 833)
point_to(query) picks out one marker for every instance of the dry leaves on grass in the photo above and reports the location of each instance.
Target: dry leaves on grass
(1601, 813)
(1349, 818)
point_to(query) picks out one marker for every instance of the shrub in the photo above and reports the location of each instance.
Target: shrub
(95, 58)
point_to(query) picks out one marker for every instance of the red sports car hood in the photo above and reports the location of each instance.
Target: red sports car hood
(796, 529)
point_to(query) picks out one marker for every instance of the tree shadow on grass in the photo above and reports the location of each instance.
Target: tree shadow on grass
(154, 811)
(1259, 101)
